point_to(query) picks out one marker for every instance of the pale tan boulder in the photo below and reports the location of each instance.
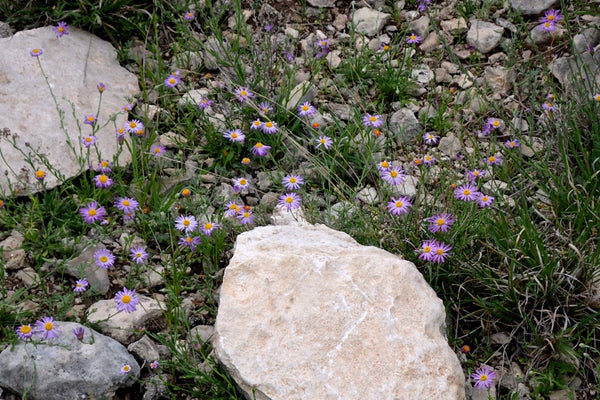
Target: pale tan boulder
(308, 313)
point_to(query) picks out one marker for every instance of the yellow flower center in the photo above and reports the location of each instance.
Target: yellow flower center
(496, 123)
(305, 108)
(427, 158)
(186, 222)
(466, 192)
(40, 174)
(492, 159)
(25, 329)
(208, 225)
(138, 255)
(551, 17)
(598, 97)
(48, 326)
(483, 378)
(245, 160)
(104, 164)
(125, 299)
(385, 164)
(549, 105)
(234, 135)
(91, 212)
(126, 203)
(126, 368)
(373, 119)
(426, 249)
(103, 178)
(189, 240)
(185, 192)
(547, 25)
(399, 204)
(256, 123)
(386, 47)
(393, 174)
(289, 199)
(292, 180)
(90, 118)
(315, 125)
(157, 150)
(61, 29)
(322, 141)
(440, 252)
(269, 124)
(413, 37)
(172, 81)
(132, 124)
(484, 198)
(418, 161)
(233, 207)
(246, 214)
(440, 221)
(243, 182)
(259, 145)
(243, 93)
(104, 259)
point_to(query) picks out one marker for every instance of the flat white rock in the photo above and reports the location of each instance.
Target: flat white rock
(308, 313)
(74, 64)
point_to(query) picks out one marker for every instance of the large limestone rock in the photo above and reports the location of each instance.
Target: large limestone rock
(369, 22)
(532, 7)
(484, 36)
(308, 313)
(74, 64)
(67, 368)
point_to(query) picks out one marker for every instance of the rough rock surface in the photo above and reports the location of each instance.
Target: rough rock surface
(66, 368)
(27, 109)
(484, 36)
(369, 21)
(307, 313)
(122, 326)
(532, 7)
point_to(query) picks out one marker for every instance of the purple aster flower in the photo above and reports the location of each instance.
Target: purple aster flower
(269, 127)
(92, 213)
(186, 223)
(127, 107)
(466, 192)
(209, 227)
(256, 124)
(88, 141)
(548, 106)
(372, 120)
(234, 135)
(128, 216)
(472, 176)
(245, 217)
(100, 86)
(79, 332)
(413, 38)
(268, 27)
(102, 181)
(266, 107)
(429, 160)
(597, 97)
(484, 200)
(81, 285)
(126, 204)
(440, 222)
(430, 138)
(190, 242)
(90, 119)
(24, 332)
(104, 259)
(46, 328)
(324, 141)
(383, 166)
(494, 123)
(289, 201)
(126, 300)
(292, 182)
(133, 126)
(547, 27)
(61, 29)
(394, 176)
(36, 52)
(172, 81)
(426, 251)
(157, 150)
(104, 167)
(231, 209)
(552, 16)
(384, 46)
(440, 252)
(205, 103)
(399, 205)
(40, 175)
(484, 377)
(243, 94)
(323, 44)
(260, 150)
(306, 109)
(154, 364)
(493, 160)
(139, 255)
(422, 4)
(120, 135)
(512, 143)
(125, 369)
(240, 184)
(189, 16)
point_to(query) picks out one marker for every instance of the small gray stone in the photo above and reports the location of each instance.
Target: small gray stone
(269, 200)
(84, 266)
(450, 67)
(520, 124)
(341, 111)
(302, 92)
(500, 79)
(407, 188)
(369, 22)
(28, 276)
(455, 25)
(291, 32)
(322, 3)
(5, 30)
(145, 349)
(67, 368)
(14, 256)
(587, 39)
(333, 59)
(340, 21)
(368, 195)
(484, 36)
(201, 333)
(213, 48)
(422, 75)
(419, 26)
(450, 145)
(539, 36)
(404, 125)
(533, 7)
(193, 97)
(187, 60)
(431, 42)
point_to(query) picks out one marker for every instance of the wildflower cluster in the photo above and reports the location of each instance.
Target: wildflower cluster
(550, 20)
(45, 328)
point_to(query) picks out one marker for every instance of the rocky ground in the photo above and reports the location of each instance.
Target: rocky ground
(472, 60)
